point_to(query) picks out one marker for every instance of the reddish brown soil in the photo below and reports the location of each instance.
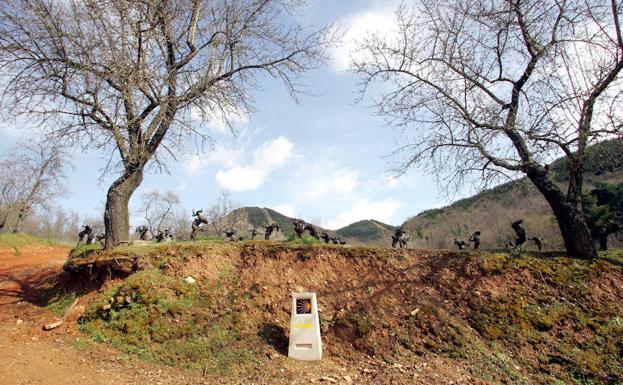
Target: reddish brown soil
(386, 317)
(65, 355)
(30, 355)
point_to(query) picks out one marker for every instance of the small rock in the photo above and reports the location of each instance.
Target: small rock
(52, 325)
(105, 307)
(414, 312)
(329, 379)
(190, 280)
(367, 371)
(348, 379)
(274, 356)
(19, 322)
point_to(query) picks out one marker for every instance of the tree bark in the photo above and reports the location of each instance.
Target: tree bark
(4, 220)
(20, 218)
(116, 214)
(603, 242)
(568, 212)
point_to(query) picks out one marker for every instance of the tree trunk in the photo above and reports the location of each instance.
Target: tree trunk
(116, 215)
(603, 241)
(4, 220)
(573, 228)
(20, 218)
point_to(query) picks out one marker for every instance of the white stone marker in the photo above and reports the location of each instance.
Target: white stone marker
(305, 343)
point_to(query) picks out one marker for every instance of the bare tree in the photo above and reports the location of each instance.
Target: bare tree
(500, 88)
(159, 210)
(224, 214)
(30, 176)
(55, 223)
(129, 75)
(10, 179)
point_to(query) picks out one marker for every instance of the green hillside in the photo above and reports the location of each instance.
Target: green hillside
(369, 232)
(493, 210)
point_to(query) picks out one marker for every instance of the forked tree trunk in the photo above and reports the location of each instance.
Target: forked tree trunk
(573, 228)
(116, 215)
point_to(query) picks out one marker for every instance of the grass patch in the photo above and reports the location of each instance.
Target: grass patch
(19, 240)
(304, 240)
(208, 238)
(83, 250)
(559, 314)
(614, 256)
(59, 305)
(161, 318)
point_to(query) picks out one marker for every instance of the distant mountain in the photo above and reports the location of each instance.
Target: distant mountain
(493, 210)
(262, 216)
(368, 232)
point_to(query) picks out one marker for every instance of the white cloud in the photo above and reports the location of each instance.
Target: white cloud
(334, 185)
(381, 21)
(384, 182)
(224, 156)
(182, 187)
(269, 157)
(15, 129)
(10, 130)
(244, 178)
(218, 123)
(286, 209)
(361, 209)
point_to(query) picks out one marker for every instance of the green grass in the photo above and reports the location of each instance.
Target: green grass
(83, 250)
(172, 322)
(562, 305)
(208, 238)
(614, 256)
(19, 240)
(59, 304)
(304, 240)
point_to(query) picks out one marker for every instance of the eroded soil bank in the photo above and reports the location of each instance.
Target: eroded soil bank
(388, 316)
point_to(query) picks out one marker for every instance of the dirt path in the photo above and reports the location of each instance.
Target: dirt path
(29, 355)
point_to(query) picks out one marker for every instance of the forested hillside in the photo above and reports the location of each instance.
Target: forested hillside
(493, 210)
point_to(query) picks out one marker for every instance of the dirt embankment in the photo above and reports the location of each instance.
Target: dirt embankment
(30, 279)
(388, 316)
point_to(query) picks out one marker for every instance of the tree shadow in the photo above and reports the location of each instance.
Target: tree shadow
(275, 336)
(40, 287)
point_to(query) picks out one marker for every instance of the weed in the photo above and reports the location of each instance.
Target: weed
(83, 250)
(170, 321)
(60, 304)
(304, 240)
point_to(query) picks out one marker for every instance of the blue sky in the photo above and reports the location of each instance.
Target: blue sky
(324, 158)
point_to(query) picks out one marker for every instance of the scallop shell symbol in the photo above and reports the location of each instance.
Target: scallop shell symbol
(303, 306)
